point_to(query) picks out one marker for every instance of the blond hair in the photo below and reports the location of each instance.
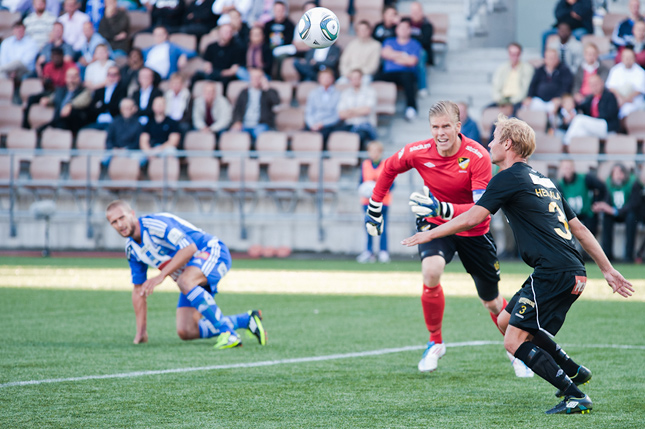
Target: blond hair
(445, 108)
(376, 144)
(118, 203)
(518, 132)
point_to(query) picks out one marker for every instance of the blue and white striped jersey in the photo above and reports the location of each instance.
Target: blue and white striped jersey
(162, 236)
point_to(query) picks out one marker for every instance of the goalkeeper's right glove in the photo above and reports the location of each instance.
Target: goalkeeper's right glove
(374, 218)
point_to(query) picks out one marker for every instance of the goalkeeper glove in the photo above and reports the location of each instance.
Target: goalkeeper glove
(374, 218)
(426, 205)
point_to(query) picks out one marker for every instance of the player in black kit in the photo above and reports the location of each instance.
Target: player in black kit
(544, 226)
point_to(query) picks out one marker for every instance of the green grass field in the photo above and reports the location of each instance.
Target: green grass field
(316, 370)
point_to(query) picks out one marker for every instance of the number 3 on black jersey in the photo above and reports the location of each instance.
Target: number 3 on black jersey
(566, 234)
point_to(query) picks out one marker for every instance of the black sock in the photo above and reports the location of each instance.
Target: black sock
(560, 357)
(544, 365)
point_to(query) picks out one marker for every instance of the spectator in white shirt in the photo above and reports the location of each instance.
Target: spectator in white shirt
(73, 21)
(221, 7)
(177, 101)
(39, 23)
(357, 108)
(211, 112)
(96, 72)
(17, 53)
(626, 81)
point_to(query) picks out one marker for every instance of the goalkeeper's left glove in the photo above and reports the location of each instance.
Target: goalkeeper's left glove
(374, 218)
(426, 205)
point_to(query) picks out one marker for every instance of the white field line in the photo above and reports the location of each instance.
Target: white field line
(287, 361)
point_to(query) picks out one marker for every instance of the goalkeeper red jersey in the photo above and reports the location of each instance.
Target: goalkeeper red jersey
(451, 179)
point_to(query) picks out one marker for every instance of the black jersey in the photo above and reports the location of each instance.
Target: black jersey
(538, 216)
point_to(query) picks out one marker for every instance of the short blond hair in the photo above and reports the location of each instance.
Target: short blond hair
(445, 108)
(118, 203)
(518, 132)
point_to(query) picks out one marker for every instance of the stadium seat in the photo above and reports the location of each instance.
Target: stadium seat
(621, 144)
(290, 119)
(6, 91)
(535, 118)
(143, 41)
(288, 72)
(193, 65)
(440, 23)
(197, 88)
(203, 174)
(90, 139)
(83, 169)
(208, 39)
(29, 87)
(199, 141)
(330, 177)
(635, 124)
(40, 116)
(285, 91)
(164, 174)
(19, 139)
(547, 143)
(123, 174)
(243, 175)
(373, 16)
(386, 97)
(302, 91)
(306, 144)
(541, 166)
(271, 141)
(335, 5)
(186, 41)
(587, 150)
(139, 21)
(45, 174)
(610, 21)
(10, 118)
(283, 177)
(7, 19)
(602, 42)
(347, 144)
(237, 143)
(488, 118)
(234, 89)
(6, 169)
(58, 140)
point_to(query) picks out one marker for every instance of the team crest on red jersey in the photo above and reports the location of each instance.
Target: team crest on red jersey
(463, 163)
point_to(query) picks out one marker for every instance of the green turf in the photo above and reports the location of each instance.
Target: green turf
(57, 334)
(323, 263)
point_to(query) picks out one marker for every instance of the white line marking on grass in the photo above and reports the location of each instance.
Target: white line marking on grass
(285, 361)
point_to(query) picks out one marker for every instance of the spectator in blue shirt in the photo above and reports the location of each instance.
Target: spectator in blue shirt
(468, 126)
(400, 56)
(321, 110)
(623, 33)
(164, 57)
(91, 40)
(17, 53)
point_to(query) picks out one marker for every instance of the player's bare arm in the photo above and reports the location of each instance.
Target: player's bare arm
(179, 260)
(589, 243)
(140, 305)
(463, 222)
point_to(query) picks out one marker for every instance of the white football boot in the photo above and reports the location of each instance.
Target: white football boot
(431, 356)
(521, 370)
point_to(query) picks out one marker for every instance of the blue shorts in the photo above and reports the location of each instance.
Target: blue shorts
(214, 261)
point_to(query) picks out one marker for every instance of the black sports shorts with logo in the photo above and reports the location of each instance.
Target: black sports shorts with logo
(478, 255)
(544, 300)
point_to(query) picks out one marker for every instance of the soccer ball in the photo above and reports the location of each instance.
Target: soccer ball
(319, 28)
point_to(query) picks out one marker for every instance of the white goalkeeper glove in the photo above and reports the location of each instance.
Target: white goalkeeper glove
(374, 218)
(426, 205)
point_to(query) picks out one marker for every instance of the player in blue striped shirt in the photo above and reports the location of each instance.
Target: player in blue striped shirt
(197, 261)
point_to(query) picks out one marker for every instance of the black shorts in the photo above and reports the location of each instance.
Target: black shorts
(544, 300)
(478, 255)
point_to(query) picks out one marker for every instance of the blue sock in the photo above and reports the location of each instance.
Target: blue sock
(205, 304)
(206, 329)
(239, 320)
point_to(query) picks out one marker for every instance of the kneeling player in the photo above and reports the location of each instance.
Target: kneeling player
(197, 261)
(544, 226)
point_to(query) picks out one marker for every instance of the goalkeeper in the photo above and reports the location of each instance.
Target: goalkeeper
(455, 172)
